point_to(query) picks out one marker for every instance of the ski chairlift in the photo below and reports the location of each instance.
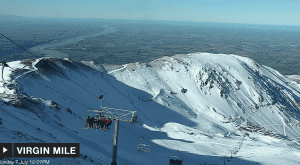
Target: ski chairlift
(103, 117)
(176, 160)
(99, 121)
(143, 147)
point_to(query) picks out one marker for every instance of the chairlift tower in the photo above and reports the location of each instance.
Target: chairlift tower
(3, 65)
(113, 114)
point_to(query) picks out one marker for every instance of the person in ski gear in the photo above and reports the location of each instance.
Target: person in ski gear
(98, 123)
(87, 123)
(103, 122)
(92, 122)
(108, 123)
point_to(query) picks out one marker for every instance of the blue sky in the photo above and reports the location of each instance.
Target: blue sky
(229, 11)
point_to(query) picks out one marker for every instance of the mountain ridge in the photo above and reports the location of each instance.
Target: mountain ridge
(228, 98)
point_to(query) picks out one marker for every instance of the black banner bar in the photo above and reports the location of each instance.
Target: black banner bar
(46, 149)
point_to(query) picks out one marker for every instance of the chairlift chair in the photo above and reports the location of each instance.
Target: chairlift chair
(106, 113)
(176, 160)
(94, 119)
(143, 147)
(97, 122)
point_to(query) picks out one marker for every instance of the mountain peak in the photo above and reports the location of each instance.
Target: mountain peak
(192, 102)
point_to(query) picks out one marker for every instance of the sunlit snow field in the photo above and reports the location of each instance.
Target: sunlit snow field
(232, 106)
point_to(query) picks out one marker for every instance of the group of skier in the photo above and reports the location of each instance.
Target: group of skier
(98, 122)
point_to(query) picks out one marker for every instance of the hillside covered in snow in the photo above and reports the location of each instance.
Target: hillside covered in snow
(206, 106)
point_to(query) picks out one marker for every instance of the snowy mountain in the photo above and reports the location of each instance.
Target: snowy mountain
(295, 78)
(207, 106)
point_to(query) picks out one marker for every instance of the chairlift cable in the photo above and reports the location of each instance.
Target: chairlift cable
(60, 93)
(76, 84)
(168, 144)
(55, 90)
(53, 67)
(17, 45)
(50, 64)
(57, 71)
(146, 139)
(159, 145)
(110, 104)
(157, 137)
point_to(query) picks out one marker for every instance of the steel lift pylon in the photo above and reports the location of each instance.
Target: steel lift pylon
(117, 115)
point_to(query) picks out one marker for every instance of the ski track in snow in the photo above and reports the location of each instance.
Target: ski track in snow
(110, 72)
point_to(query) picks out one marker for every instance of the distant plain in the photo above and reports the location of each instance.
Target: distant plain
(274, 46)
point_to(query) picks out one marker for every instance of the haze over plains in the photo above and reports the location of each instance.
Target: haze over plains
(267, 12)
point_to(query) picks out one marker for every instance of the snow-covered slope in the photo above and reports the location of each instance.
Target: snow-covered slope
(231, 104)
(295, 78)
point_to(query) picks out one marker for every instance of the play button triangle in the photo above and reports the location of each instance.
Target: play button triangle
(4, 149)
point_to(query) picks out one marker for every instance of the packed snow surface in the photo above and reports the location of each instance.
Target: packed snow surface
(209, 107)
